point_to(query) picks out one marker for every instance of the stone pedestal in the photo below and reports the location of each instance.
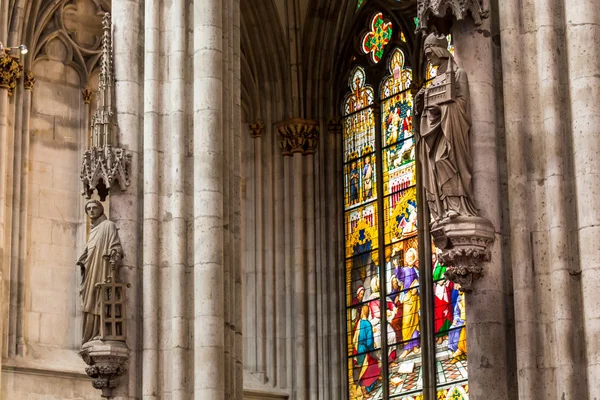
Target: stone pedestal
(107, 361)
(464, 243)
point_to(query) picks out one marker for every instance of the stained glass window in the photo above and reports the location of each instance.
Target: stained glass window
(384, 307)
(379, 35)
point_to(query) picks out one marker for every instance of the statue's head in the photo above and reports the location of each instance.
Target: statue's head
(94, 209)
(436, 49)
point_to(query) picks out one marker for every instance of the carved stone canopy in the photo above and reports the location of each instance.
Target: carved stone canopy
(464, 243)
(105, 163)
(432, 12)
(298, 135)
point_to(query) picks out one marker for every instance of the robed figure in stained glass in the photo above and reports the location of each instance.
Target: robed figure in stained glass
(411, 303)
(366, 367)
(443, 145)
(354, 184)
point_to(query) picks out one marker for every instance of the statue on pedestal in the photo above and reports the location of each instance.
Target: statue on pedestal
(444, 153)
(103, 252)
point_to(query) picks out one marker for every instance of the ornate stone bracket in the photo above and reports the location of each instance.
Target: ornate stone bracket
(334, 125)
(256, 129)
(427, 10)
(29, 81)
(106, 360)
(10, 71)
(464, 243)
(104, 163)
(298, 135)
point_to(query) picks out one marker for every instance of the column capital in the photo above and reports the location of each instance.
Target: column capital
(257, 129)
(433, 12)
(334, 125)
(10, 71)
(298, 135)
(29, 81)
(87, 95)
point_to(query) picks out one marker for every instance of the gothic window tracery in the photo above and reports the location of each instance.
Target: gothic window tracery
(385, 307)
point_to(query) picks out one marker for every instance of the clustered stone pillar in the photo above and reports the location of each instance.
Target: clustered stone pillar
(10, 72)
(299, 138)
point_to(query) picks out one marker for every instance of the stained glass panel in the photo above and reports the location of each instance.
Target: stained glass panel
(457, 392)
(360, 181)
(359, 134)
(379, 35)
(364, 373)
(361, 230)
(449, 311)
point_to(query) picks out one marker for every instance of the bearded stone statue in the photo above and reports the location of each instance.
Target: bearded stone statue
(443, 142)
(102, 253)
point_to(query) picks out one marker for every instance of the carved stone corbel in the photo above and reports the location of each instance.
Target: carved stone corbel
(106, 360)
(298, 135)
(430, 10)
(334, 125)
(256, 129)
(29, 81)
(464, 243)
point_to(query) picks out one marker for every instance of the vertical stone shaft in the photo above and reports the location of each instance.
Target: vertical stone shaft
(237, 161)
(15, 263)
(582, 19)
(259, 277)
(179, 324)
(281, 223)
(21, 345)
(125, 206)
(486, 303)
(301, 353)
(208, 201)
(549, 41)
(150, 304)
(312, 319)
(3, 166)
(226, 139)
(289, 270)
(521, 252)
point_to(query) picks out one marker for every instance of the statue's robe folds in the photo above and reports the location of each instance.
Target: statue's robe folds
(445, 152)
(103, 240)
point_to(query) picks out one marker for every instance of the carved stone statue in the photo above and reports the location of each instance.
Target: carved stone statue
(443, 143)
(102, 253)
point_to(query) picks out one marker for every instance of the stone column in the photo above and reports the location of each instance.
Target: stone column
(29, 82)
(298, 137)
(151, 225)
(125, 206)
(10, 73)
(582, 19)
(485, 304)
(256, 326)
(209, 369)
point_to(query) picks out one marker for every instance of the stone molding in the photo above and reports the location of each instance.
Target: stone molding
(10, 71)
(257, 129)
(106, 360)
(298, 135)
(29, 81)
(464, 243)
(459, 9)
